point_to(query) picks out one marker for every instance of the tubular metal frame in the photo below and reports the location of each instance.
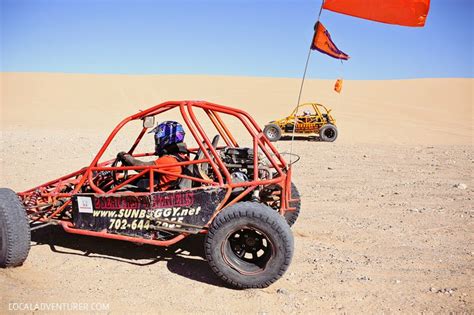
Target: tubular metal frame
(48, 202)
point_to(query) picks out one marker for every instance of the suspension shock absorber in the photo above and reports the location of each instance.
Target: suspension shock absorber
(33, 201)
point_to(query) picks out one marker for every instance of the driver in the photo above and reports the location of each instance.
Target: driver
(170, 149)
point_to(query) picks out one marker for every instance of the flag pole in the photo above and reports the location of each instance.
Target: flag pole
(302, 84)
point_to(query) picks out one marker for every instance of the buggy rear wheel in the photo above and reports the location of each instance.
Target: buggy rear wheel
(272, 132)
(14, 230)
(328, 133)
(249, 245)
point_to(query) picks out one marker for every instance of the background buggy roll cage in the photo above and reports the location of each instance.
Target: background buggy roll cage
(315, 106)
(47, 202)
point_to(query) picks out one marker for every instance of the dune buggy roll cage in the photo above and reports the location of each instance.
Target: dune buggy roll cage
(317, 113)
(47, 203)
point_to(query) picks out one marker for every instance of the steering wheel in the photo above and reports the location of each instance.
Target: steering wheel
(115, 173)
(203, 168)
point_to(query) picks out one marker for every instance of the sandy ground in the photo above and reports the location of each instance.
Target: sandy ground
(387, 217)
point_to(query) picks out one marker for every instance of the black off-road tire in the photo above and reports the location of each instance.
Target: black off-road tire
(249, 226)
(328, 133)
(14, 230)
(291, 216)
(272, 132)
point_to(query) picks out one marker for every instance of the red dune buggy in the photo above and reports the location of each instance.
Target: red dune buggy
(241, 197)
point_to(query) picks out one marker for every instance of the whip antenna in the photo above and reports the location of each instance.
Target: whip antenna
(301, 88)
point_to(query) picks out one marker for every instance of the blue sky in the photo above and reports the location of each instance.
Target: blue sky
(228, 37)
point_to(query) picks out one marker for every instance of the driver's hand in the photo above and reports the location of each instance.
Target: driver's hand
(105, 174)
(121, 156)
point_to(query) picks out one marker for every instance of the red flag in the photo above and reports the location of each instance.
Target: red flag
(338, 85)
(322, 42)
(401, 12)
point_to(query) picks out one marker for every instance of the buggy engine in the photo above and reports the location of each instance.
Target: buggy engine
(240, 163)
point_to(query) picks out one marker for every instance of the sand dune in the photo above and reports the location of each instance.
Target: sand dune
(428, 111)
(385, 225)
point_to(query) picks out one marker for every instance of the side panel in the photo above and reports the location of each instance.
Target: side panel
(142, 215)
(305, 127)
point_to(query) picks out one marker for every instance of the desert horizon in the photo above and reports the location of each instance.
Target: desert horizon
(415, 111)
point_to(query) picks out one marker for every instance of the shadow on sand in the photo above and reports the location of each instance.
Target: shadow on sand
(301, 138)
(186, 258)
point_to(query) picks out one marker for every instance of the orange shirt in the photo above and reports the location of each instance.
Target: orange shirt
(165, 179)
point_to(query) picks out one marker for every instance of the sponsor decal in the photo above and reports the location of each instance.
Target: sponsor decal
(120, 219)
(141, 215)
(181, 199)
(84, 204)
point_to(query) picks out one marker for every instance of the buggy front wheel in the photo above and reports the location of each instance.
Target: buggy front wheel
(272, 132)
(291, 216)
(249, 245)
